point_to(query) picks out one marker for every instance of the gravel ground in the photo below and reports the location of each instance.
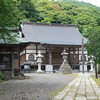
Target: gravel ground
(37, 87)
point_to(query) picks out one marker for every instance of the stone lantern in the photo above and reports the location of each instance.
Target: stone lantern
(91, 62)
(65, 68)
(39, 61)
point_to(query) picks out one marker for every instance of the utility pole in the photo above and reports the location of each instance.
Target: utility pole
(95, 64)
(83, 55)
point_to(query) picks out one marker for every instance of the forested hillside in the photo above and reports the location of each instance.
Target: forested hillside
(84, 15)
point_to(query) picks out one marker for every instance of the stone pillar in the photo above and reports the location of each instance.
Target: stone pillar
(65, 68)
(39, 61)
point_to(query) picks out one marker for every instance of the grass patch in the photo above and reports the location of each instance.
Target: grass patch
(75, 74)
(1, 76)
(97, 80)
(53, 94)
(2, 90)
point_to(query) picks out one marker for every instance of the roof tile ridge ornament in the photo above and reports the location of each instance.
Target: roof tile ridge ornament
(24, 22)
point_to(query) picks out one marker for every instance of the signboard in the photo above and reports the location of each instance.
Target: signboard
(49, 68)
(26, 66)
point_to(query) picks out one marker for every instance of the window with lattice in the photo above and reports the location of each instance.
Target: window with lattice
(83, 57)
(30, 57)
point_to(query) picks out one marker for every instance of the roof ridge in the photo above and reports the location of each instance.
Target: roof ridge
(48, 24)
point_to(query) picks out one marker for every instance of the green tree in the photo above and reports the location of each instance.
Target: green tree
(8, 19)
(27, 8)
(93, 45)
(1, 76)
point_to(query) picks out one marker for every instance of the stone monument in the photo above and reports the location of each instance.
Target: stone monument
(65, 68)
(39, 61)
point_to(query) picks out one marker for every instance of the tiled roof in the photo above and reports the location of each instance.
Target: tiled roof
(52, 34)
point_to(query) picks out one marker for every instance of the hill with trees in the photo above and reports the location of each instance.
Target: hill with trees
(86, 16)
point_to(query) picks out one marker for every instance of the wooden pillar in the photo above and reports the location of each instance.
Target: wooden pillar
(46, 55)
(19, 58)
(50, 56)
(12, 63)
(69, 56)
(36, 49)
(25, 54)
(78, 55)
(83, 55)
(74, 57)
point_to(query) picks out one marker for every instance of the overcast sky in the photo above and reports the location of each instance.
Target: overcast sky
(94, 2)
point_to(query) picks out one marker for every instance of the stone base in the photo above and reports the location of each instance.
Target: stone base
(39, 72)
(65, 69)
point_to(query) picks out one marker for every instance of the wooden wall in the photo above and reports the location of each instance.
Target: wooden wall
(74, 54)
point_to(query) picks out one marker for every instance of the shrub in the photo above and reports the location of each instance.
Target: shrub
(1, 76)
(99, 70)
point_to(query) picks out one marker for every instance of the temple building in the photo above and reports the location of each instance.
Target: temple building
(51, 39)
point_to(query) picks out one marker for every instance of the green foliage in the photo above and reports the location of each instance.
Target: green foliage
(1, 76)
(7, 36)
(97, 80)
(27, 8)
(93, 45)
(99, 70)
(9, 17)
(83, 14)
